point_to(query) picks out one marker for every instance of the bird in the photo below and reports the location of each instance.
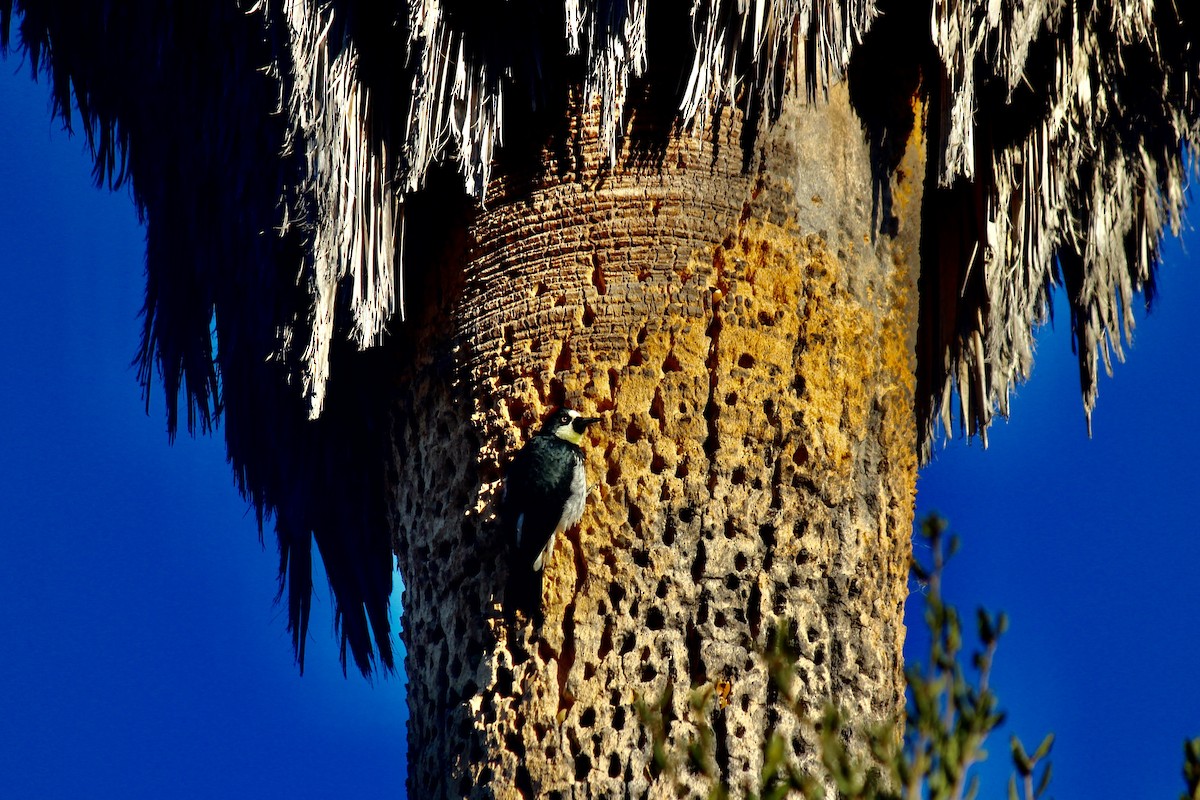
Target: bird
(545, 489)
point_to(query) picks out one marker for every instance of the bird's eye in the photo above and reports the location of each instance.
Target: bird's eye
(564, 418)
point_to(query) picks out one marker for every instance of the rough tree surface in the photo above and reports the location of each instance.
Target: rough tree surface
(749, 342)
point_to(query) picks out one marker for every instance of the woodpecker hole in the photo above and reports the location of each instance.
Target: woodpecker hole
(800, 456)
(618, 718)
(658, 464)
(671, 363)
(711, 412)
(655, 620)
(699, 562)
(633, 433)
(557, 395)
(702, 609)
(658, 410)
(745, 361)
(731, 399)
(504, 683)
(606, 642)
(754, 612)
(598, 280)
(523, 781)
(695, 659)
(563, 362)
(635, 517)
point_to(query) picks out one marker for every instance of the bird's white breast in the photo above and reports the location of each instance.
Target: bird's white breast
(572, 511)
(573, 508)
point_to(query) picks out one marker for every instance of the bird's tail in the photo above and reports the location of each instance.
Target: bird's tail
(524, 592)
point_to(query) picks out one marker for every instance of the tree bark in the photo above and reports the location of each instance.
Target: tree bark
(747, 334)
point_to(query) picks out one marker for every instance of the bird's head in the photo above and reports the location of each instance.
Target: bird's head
(567, 424)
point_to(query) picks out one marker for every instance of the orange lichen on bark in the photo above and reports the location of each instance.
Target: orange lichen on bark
(803, 355)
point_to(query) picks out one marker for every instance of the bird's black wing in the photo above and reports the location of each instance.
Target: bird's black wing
(537, 482)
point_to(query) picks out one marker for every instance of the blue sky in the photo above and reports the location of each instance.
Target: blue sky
(1093, 548)
(143, 656)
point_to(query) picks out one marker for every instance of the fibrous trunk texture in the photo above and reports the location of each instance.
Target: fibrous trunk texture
(747, 335)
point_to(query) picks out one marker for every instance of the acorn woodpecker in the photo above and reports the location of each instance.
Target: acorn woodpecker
(545, 488)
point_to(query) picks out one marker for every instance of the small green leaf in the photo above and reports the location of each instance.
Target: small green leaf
(987, 633)
(1044, 782)
(1044, 747)
(776, 792)
(773, 757)
(1020, 759)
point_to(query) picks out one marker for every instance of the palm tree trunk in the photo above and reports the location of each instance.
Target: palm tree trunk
(748, 337)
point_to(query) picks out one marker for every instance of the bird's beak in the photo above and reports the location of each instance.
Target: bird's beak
(581, 424)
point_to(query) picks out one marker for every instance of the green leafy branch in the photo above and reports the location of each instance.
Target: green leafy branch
(1191, 769)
